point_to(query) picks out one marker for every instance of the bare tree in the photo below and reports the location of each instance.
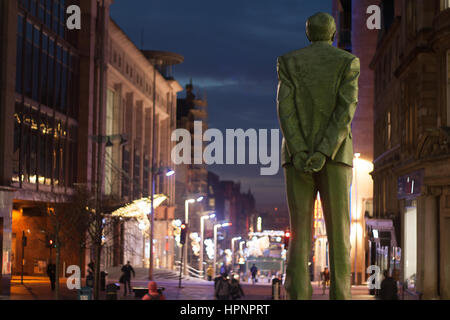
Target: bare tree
(57, 225)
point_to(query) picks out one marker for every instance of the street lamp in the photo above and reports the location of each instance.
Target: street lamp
(241, 248)
(155, 172)
(211, 215)
(186, 220)
(155, 62)
(170, 173)
(216, 227)
(232, 249)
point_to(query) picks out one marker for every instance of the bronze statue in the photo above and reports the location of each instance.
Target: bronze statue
(317, 98)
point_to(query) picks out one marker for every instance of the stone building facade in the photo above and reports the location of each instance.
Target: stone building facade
(49, 98)
(134, 78)
(74, 111)
(412, 157)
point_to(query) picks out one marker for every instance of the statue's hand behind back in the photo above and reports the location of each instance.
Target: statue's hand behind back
(299, 161)
(315, 163)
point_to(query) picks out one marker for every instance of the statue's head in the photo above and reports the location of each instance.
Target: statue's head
(321, 27)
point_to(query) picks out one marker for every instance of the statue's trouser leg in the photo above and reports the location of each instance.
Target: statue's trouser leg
(334, 186)
(301, 193)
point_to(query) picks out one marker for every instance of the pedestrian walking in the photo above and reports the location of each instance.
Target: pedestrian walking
(388, 288)
(222, 287)
(254, 271)
(153, 292)
(126, 277)
(51, 272)
(236, 289)
(209, 272)
(325, 279)
(90, 276)
(223, 269)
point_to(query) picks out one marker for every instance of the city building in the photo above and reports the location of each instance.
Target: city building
(192, 178)
(412, 157)
(75, 112)
(354, 36)
(135, 80)
(48, 98)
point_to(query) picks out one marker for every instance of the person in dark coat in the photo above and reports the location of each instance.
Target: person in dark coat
(51, 272)
(236, 289)
(222, 287)
(254, 271)
(126, 277)
(388, 290)
(325, 279)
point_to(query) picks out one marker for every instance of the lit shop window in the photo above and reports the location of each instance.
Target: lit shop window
(445, 4)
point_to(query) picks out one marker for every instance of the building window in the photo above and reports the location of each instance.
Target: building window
(345, 26)
(411, 17)
(388, 130)
(448, 88)
(388, 12)
(445, 4)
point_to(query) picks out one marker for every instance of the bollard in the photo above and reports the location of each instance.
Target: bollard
(276, 289)
(111, 291)
(85, 293)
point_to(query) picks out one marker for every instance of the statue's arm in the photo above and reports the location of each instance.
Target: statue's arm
(287, 112)
(341, 119)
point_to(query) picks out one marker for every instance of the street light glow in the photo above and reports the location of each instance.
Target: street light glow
(199, 198)
(190, 200)
(170, 173)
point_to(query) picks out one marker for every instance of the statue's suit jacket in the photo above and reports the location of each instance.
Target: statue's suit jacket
(317, 98)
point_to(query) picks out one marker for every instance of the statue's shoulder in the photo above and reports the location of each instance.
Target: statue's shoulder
(343, 53)
(295, 53)
(312, 51)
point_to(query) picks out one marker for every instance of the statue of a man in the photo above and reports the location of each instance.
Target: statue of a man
(317, 98)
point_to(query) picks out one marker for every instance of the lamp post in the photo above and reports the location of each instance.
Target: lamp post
(154, 172)
(186, 220)
(212, 215)
(216, 227)
(232, 249)
(241, 248)
(357, 155)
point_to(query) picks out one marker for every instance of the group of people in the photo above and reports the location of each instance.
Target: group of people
(225, 287)
(228, 288)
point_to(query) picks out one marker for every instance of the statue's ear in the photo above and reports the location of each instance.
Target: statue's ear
(334, 36)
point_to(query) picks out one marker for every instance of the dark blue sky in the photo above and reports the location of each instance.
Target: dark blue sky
(230, 49)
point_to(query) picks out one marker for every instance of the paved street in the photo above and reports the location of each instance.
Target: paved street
(38, 288)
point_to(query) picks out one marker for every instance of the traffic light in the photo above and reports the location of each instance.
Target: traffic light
(286, 238)
(183, 233)
(50, 243)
